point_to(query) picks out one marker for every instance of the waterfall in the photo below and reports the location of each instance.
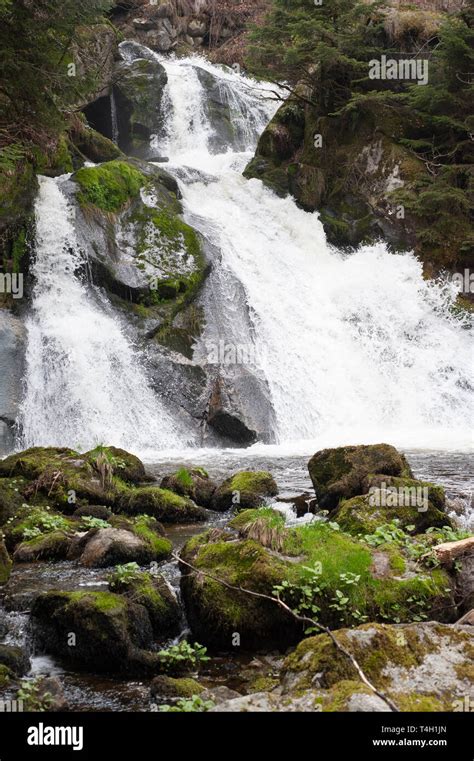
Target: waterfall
(84, 381)
(353, 347)
(113, 117)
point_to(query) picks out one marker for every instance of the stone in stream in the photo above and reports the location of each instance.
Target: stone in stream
(15, 659)
(194, 483)
(104, 547)
(244, 490)
(351, 581)
(345, 472)
(66, 480)
(100, 631)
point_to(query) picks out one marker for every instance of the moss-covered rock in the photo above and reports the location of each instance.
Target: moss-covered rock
(243, 490)
(162, 504)
(345, 472)
(110, 186)
(5, 562)
(155, 594)
(99, 631)
(35, 523)
(413, 503)
(419, 666)
(15, 659)
(66, 479)
(194, 483)
(148, 529)
(163, 687)
(217, 614)
(92, 145)
(103, 547)
(11, 497)
(315, 567)
(51, 546)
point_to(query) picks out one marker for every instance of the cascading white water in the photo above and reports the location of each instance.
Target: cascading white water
(354, 348)
(84, 381)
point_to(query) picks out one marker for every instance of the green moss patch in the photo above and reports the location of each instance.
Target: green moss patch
(109, 186)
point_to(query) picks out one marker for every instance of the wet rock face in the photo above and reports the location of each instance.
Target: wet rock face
(138, 90)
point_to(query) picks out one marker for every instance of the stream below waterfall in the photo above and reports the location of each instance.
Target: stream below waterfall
(352, 348)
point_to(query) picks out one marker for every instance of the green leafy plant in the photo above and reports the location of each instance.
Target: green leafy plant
(183, 656)
(33, 699)
(88, 522)
(194, 704)
(124, 574)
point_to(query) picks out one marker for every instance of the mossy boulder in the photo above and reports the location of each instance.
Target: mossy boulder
(244, 490)
(35, 523)
(421, 667)
(98, 631)
(92, 145)
(217, 614)
(11, 497)
(51, 546)
(103, 547)
(61, 477)
(342, 580)
(162, 504)
(164, 687)
(413, 503)
(5, 562)
(156, 595)
(345, 472)
(15, 659)
(193, 483)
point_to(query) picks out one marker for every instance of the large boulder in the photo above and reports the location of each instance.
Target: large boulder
(245, 489)
(98, 631)
(194, 483)
(104, 547)
(421, 667)
(226, 618)
(336, 577)
(345, 472)
(156, 595)
(15, 659)
(162, 504)
(140, 81)
(54, 545)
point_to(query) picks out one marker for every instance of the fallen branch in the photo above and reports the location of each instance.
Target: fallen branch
(302, 619)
